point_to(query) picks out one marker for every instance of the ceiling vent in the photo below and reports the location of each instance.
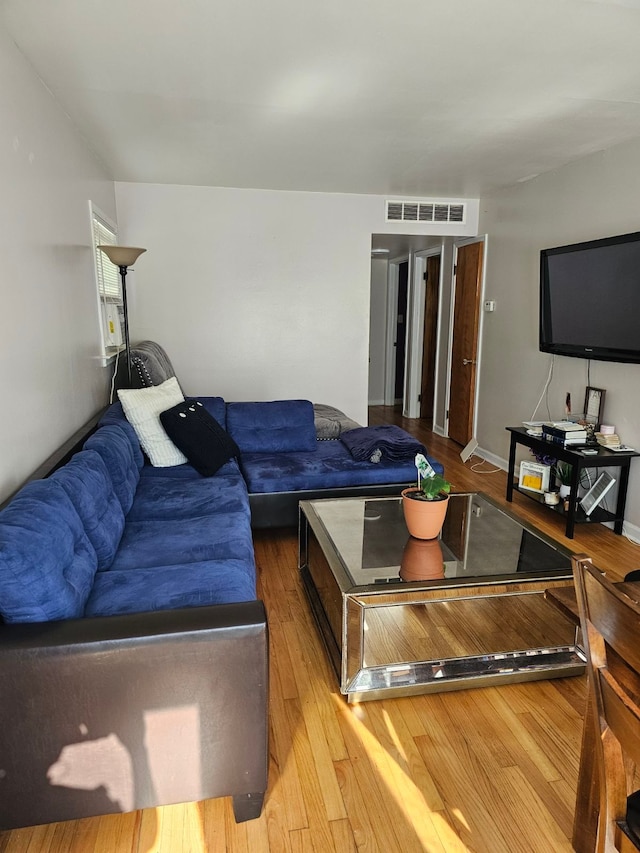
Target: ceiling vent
(424, 211)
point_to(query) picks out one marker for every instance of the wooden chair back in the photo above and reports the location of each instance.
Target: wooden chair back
(611, 634)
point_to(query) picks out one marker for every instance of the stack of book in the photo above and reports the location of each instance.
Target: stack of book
(609, 440)
(564, 433)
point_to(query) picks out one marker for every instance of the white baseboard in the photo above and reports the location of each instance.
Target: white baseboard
(497, 461)
(375, 403)
(632, 532)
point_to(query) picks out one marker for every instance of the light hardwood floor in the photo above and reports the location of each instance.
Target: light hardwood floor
(486, 770)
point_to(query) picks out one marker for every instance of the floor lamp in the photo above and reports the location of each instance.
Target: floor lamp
(123, 257)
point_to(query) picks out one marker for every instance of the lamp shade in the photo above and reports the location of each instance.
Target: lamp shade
(122, 256)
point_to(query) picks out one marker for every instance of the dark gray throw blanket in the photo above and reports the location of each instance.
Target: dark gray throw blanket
(331, 422)
(371, 444)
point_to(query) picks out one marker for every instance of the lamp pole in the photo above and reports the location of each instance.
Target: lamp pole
(127, 348)
(123, 257)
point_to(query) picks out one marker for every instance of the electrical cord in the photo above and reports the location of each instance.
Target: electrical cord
(475, 467)
(113, 378)
(477, 470)
(585, 473)
(545, 391)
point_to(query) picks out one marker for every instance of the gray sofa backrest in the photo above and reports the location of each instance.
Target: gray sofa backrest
(150, 365)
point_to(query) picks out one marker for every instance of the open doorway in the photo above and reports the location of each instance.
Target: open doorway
(400, 336)
(423, 334)
(388, 307)
(429, 387)
(404, 312)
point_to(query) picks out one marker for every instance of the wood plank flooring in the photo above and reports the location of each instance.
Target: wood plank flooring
(486, 770)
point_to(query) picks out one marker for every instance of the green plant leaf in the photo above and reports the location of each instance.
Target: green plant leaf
(562, 471)
(432, 487)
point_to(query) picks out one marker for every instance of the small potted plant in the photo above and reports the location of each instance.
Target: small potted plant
(425, 505)
(563, 473)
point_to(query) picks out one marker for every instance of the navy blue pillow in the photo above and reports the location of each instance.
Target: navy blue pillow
(199, 436)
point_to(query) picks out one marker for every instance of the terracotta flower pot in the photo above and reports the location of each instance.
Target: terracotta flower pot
(424, 518)
(422, 559)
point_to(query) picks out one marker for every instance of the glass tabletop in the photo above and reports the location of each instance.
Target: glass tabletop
(478, 540)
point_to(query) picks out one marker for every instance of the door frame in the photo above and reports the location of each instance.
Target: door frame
(457, 243)
(415, 332)
(392, 322)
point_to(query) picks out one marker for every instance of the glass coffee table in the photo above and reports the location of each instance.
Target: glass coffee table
(401, 616)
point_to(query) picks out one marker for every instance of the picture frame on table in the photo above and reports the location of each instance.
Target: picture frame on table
(594, 405)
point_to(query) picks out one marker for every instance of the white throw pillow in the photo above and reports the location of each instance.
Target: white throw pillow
(142, 407)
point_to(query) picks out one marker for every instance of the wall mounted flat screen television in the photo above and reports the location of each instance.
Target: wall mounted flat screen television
(590, 299)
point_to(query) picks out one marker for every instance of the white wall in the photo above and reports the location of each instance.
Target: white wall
(378, 330)
(50, 382)
(257, 294)
(592, 198)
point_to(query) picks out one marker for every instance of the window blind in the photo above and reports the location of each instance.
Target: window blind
(109, 283)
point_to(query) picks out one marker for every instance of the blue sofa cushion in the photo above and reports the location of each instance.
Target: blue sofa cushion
(86, 481)
(216, 407)
(165, 542)
(332, 466)
(179, 496)
(114, 416)
(199, 436)
(47, 563)
(281, 426)
(179, 472)
(171, 587)
(122, 461)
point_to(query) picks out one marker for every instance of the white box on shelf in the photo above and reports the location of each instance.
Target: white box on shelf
(534, 476)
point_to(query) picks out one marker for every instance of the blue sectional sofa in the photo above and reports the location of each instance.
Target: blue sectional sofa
(290, 450)
(278, 478)
(283, 460)
(171, 670)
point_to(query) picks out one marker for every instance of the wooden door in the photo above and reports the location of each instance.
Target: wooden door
(464, 354)
(432, 289)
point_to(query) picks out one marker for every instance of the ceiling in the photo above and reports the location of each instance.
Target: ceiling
(394, 246)
(393, 97)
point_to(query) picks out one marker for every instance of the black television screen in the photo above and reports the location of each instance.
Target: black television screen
(590, 299)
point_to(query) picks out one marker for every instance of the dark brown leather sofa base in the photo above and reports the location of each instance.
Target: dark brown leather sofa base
(280, 509)
(115, 714)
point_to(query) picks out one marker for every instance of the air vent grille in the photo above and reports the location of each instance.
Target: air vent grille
(422, 211)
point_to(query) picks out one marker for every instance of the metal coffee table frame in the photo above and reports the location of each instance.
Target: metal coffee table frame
(354, 619)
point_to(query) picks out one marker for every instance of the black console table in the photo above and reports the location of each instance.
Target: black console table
(578, 461)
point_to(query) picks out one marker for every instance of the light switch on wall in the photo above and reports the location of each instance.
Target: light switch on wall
(490, 305)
